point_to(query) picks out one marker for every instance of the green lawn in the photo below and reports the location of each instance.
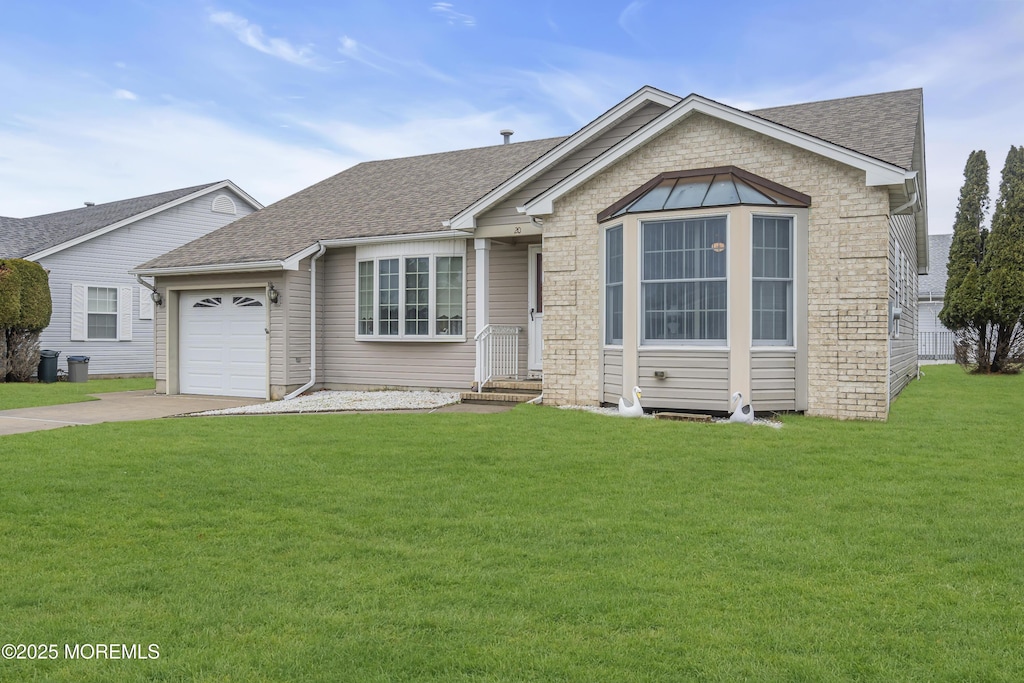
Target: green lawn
(533, 545)
(29, 395)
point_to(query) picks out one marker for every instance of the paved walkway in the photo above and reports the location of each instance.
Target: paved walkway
(117, 407)
(125, 406)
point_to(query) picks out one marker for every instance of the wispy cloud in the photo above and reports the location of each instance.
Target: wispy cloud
(447, 10)
(252, 35)
(181, 149)
(425, 132)
(120, 94)
(363, 54)
(358, 53)
(630, 16)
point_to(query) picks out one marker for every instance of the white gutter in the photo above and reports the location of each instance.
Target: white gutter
(255, 266)
(312, 325)
(410, 237)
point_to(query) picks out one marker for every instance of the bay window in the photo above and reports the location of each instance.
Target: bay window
(684, 283)
(416, 296)
(772, 280)
(613, 286)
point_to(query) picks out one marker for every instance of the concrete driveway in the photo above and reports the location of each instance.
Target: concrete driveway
(117, 407)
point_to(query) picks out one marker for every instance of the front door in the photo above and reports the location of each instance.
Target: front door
(535, 334)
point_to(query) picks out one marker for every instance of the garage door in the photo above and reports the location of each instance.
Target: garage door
(222, 347)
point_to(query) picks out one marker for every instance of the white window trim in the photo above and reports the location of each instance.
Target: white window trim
(668, 217)
(80, 312)
(429, 249)
(604, 283)
(791, 318)
(896, 310)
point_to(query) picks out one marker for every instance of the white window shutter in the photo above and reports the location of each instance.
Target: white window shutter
(79, 312)
(124, 313)
(145, 304)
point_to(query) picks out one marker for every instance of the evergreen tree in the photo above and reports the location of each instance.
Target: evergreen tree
(1003, 265)
(962, 306)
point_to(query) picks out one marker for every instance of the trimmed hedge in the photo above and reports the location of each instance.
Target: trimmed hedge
(10, 296)
(25, 284)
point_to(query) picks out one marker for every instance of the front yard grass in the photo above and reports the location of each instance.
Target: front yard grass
(538, 544)
(31, 395)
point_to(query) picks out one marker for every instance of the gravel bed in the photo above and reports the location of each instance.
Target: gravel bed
(333, 401)
(614, 412)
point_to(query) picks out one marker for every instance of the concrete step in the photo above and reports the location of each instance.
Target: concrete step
(498, 397)
(500, 385)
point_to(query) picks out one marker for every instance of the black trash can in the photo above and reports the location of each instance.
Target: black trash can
(78, 368)
(48, 366)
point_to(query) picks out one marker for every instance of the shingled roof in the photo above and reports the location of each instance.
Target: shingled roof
(934, 283)
(374, 198)
(414, 195)
(883, 126)
(24, 236)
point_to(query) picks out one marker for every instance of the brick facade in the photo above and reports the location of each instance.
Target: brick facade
(847, 273)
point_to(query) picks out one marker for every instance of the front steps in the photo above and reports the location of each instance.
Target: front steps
(505, 392)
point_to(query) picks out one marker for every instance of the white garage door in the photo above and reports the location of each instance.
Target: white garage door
(222, 347)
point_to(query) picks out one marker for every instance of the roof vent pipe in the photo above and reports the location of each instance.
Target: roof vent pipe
(90, 203)
(506, 134)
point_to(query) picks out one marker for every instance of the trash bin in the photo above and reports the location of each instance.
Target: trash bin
(47, 366)
(78, 368)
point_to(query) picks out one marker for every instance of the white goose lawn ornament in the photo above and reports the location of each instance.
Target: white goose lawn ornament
(634, 410)
(744, 413)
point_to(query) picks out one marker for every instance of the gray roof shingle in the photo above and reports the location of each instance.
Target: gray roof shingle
(883, 126)
(415, 194)
(934, 283)
(23, 236)
(374, 198)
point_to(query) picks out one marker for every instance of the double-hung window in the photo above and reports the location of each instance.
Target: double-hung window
(772, 280)
(102, 313)
(613, 286)
(420, 296)
(684, 281)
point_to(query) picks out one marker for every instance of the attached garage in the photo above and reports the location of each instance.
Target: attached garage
(223, 343)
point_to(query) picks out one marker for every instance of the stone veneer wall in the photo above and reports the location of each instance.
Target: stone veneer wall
(847, 272)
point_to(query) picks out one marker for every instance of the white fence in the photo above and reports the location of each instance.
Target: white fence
(935, 345)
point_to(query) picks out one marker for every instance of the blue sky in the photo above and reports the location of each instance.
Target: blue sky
(110, 99)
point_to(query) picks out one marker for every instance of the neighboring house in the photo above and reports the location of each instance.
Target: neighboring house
(935, 340)
(99, 309)
(675, 243)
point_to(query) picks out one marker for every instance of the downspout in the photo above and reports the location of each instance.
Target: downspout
(312, 325)
(912, 202)
(157, 299)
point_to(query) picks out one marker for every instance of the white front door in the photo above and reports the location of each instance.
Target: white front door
(535, 334)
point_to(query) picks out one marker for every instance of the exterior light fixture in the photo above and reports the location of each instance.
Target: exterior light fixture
(157, 298)
(718, 247)
(272, 293)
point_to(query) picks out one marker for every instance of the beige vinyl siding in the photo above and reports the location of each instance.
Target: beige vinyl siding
(170, 285)
(773, 380)
(903, 351)
(612, 376)
(694, 379)
(104, 261)
(505, 213)
(289, 346)
(348, 363)
(510, 291)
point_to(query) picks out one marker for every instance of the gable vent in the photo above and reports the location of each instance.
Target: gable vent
(224, 204)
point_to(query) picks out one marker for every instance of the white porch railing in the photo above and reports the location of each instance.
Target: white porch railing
(935, 345)
(497, 353)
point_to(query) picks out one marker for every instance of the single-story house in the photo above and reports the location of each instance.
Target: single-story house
(675, 243)
(100, 310)
(935, 340)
